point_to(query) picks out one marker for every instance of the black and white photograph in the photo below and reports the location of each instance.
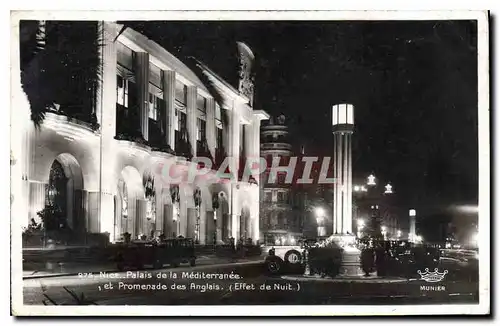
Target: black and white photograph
(182, 163)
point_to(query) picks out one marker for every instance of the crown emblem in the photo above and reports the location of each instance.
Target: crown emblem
(432, 277)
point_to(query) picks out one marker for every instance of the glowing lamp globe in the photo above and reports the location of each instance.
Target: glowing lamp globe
(343, 118)
(388, 189)
(320, 212)
(371, 180)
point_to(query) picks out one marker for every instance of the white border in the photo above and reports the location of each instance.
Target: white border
(484, 171)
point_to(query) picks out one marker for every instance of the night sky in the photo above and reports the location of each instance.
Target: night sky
(413, 85)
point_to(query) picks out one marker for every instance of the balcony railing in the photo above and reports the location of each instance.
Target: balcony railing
(274, 145)
(88, 120)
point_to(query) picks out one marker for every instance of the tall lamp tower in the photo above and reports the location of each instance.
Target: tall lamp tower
(342, 128)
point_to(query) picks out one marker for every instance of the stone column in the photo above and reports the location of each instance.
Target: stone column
(191, 221)
(36, 199)
(211, 132)
(92, 202)
(168, 224)
(203, 224)
(338, 184)
(142, 71)
(234, 141)
(191, 117)
(159, 209)
(169, 98)
(349, 183)
(345, 213)
(335, 185)
(209, 227)
(183, 219)
(106, 115)
(218, 223)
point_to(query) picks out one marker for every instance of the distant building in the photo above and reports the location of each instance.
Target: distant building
(280, 221)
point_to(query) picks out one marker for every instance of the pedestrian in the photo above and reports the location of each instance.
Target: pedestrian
(367, 260)
(380, 260)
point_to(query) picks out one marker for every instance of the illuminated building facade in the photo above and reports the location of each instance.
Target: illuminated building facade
(152, 112)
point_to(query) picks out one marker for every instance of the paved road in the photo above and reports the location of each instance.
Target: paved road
(253, 287)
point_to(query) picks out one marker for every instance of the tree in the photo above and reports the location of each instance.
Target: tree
(61, 68)
(53, 218)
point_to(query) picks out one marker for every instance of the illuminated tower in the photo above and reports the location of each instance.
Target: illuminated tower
(412, 233)
(342, 128)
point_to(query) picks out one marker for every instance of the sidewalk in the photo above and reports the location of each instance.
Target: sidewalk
(33, 270)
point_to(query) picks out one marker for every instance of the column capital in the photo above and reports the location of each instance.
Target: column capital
(260, 114)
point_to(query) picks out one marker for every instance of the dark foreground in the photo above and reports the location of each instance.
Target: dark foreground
(253, 287)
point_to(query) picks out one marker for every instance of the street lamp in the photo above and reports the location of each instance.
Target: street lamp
(371, 180)
(411, 236)
(175, 218)
(319, 211)
(388, 189)
(399, 234)
(320, 214)
(384, 232)
(361, 225)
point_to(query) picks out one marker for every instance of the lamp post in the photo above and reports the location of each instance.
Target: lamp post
(361, 225)
(215, 206)
(320, 215)
(384, 232)
(174, 194)
(371, 180)
(411, 235)
(197, 203)
(388, 189)
(175, 219)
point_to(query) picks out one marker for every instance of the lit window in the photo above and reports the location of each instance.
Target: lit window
(200, 129)
(121, 91)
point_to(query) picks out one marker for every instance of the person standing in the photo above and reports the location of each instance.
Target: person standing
(367, 260)
(380, 260)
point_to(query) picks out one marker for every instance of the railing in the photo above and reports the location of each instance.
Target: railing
(276, 145)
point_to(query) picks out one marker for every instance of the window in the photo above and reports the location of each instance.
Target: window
(268, 197)
(124, 56)
(201, 129)
(122, 91)
(180, 92)
(201, 105)
(242, 139)
(180, 125)
(281, 178)
(218, 127)
(155, 77)
(181, 121)
(218, 142)
(280, 197)
(156, 104)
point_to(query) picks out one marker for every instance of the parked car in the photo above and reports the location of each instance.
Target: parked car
(281, 258)
(156, 254)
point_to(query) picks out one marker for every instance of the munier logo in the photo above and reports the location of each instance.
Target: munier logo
(432, 277)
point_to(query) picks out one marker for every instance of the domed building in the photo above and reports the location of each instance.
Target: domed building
(280, 223)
